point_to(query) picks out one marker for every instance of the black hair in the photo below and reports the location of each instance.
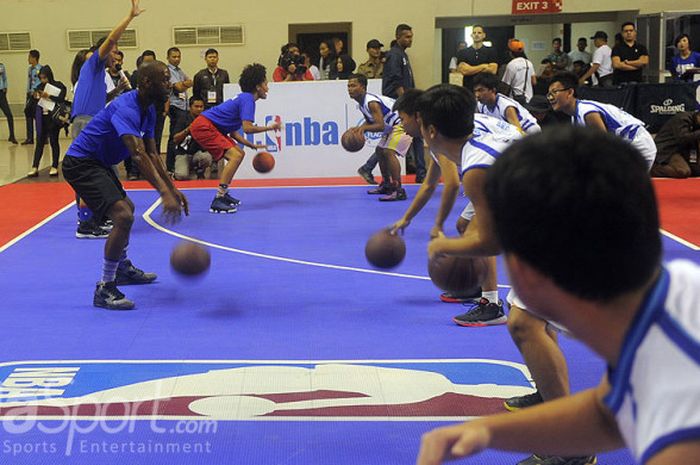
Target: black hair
(678, 39)
(567, 79)
(361, 78)
(556, 39)
(578, 205)
(408, 101)
(210, 51)
(579, 62)
(401, 28)
(195, 98)
(139, 61)
(449, 108)
(98, 44)
(78, 63)
(120, 53)
(172, 49)
(48, 72)
(479, 25)
(545, 61)
(628, 23)
(582, 39)
(251, 77)
(488, 80)
(348, 66)
(149, 71)
(285, 48)
(148, 53)
(35, 54)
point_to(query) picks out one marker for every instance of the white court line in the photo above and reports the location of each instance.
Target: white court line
(681, 241)
(149, 220)
(16, 239)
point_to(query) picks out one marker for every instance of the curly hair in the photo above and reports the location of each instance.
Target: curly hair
(252, 76)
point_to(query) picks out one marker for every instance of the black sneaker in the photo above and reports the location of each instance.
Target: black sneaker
(367, 176)
(106, 224)
(455, 298)
(90, 230)
(520, 402)
(397, 194)
(381, 189)
(108, 296)
(127, 273)
(232, 200)
(219, 205)
(556, 460)
(483, 313)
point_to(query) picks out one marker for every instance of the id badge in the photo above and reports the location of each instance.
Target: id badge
(211, 96)
(182, 95)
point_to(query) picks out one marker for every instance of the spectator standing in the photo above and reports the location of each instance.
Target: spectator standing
(397, 78)
(677, 145)
(344, 67)
(326, 58)
(476, 59)
(560, 60)
(4, 106)
(209, 82)
(519, 73)
(339, 48)
(33, 83)
(685, 59)
(373, 68)
(49, 128)
(580, 54)
(147, 56)
(313, 69)
(452, 67)
(177, 109)
(117, 82)
(601, 63)
(630, 57)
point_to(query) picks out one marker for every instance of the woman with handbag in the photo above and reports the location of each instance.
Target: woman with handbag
(50, 126)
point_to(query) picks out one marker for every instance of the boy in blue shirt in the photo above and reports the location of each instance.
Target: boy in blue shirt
(212, 128)
(124, 128)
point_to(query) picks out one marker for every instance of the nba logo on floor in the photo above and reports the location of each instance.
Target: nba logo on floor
(339, 390)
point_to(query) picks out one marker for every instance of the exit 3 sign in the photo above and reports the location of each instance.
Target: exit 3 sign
(533, 7)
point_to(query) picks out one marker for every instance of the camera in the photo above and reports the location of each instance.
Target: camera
(289, 59)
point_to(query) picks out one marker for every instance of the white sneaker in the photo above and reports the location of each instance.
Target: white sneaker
(53, 172)
(33, 173)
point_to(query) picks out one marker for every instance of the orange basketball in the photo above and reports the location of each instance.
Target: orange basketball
(385, 250)
(263, 162)
(457, 274)
(190, 259)
(352, 141)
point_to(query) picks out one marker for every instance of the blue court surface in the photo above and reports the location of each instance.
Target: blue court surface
(291, 350)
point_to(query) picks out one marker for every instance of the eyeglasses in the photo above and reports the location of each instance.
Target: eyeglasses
(553, 93)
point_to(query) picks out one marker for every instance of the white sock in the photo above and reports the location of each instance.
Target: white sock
(491, 296)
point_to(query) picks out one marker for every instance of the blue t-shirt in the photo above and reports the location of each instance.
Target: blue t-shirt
(101, 138)
(91, 89)
(228, 117)
(680, 65)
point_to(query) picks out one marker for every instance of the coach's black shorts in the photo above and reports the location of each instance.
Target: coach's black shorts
(95, 183)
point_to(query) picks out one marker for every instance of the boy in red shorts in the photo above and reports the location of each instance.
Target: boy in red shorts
(211, 130)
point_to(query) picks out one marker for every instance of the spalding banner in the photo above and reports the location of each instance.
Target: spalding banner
(657, 103)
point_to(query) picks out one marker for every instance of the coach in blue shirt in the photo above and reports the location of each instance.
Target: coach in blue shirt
(124, 128)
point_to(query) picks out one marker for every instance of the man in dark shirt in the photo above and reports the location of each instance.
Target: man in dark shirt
(397, 78)
(209, 82)
(189, 156)
(629, 57)
(477, 58)
(677, 145)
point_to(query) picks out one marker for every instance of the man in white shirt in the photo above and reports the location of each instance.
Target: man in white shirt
(519, 73)
(601, 64)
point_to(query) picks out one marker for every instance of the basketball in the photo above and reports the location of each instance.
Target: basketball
(263, 162)
(385, 250)
(190, 259)
(352, 141)
(457, 274)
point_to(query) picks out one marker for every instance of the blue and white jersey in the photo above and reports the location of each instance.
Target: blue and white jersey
(617, 121)
(484, 147)
(655, 387)
(527, 122)
(488, 124)
(391, 118)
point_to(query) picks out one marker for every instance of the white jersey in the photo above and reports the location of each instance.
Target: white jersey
(484, 147)
(655, 387)
(620, 123)
(527, 122)
(391, 118)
